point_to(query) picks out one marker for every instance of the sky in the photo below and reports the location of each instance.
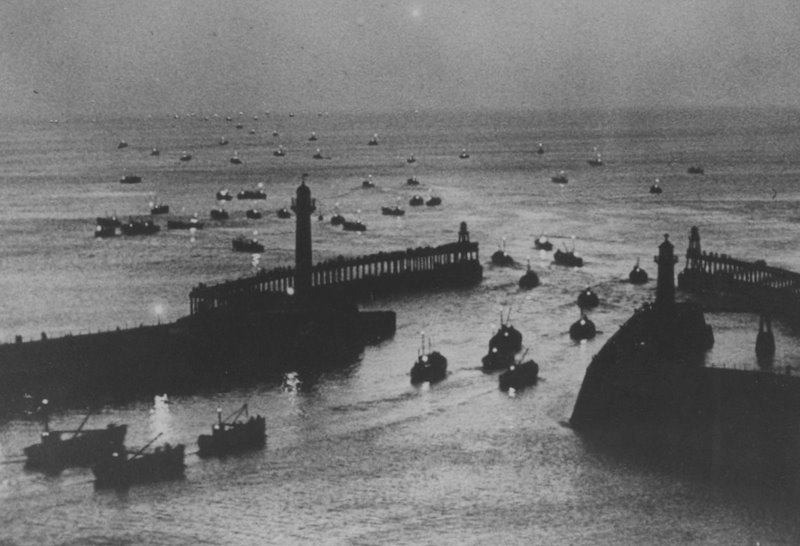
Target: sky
(181, 56)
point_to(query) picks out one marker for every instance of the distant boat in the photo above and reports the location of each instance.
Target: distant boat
(588, 299)
(463, 154)
(224, 195)
(279, 152)
(433, 201)
(313, 137)
(367, 182)
(596, 161)
(284, 213)
(637, 274)
(582, 329)
(542, 243)
(530, 279)
(139, 227)
(337, 219)
(122, 144)
(105, 232)
(540, 150)
(158, 208)
(155, 151)
(416, 201)
(130, 179)
(253, 214)
(121, 469)
(413, 181)
(501, 258)
(247, 244)
(353, 225)
(235, 159)
(695, 169)
(109, 221)
(567, 257)
(560, 178)
(522, 373)
(186, 156)
(655, 188)
(374, 140)
(318, 154)
(252, 194)
(223, 141)
(411, 159)
(430, 367)
(219, 213)
(185, 223)
(392, 211)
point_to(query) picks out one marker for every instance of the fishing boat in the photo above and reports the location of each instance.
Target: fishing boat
(247, 244)
(284, 213)
(109, 221)
(224, 195)
(130, 179)
(280, 151)
(235, 159)
(530, 279)
(186, 156)
(337, 219)
(655, 188)
(318, 154)
(60, 449)
(582, 329)
(121, 469)
(258, 193)
(411, 159)
(540, 149)
(430, 367)
(218, 213)
(374, 140)
(158, 208)
(105, 232)
(542, 243)
(313, 137)
(637, 274)
(412, 181)
(522, 373)
(568, 257)
(463, 154)
(122, 144)
(560, 178)
(695, 169)
(253, 214)
(596, 161)
(353, 225)
(501, 258)
(185, 223)
(503, 346)
(416, 201)
(588, 299)
(368, 182)
(155, 152)
(233, 435)
(393, 211)
(223, 141)
(433, 201)
(139, 227)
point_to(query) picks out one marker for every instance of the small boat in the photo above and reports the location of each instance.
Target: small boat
(247, 244)
(392, 211)
(367, 182)
(503, 345)
(502, 259)
(60, 449)
(430, 366)
(185, 156)
(185, 223)
(219, 213)
(280, 151)
(337, 219)
(433, 201)
(235, 159)
(353, 225)
(374, 140)
(318, 154)
(567, 257)
(240, 126)
(596, 161)
(105, 232)
(121, 469)
(223, 141)
(582, 329)
(588, 299)
(560, 178)
(530, 279)
(413, 181)
(224, 195)
(130, 179)
(274, 133)
(233, 435)
(463, 154)
(637, 274)
(159, 208)
(655, 188)
(109, 221)
(522, 373)
(252, 194)
(695, 169)
(313, 137)
(540, 150)
(542, 243)
(416, 201)
(155, 152)
(122, 144)
(253, 214)
(139, 227)
(284, 213)
(411, 159)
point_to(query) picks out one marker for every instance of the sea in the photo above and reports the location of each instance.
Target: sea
(358, 455)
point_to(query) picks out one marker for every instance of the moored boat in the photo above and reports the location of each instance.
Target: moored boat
(353, 225)
(233, 435)
(257, 193)
(253, 214)
(412, 181)
(185, 223)
(284, 213)
(392, 211)
(247, 244)
(433, 201)
(218, 213)
(139, 227)
(109, 221)
(105, 232)
(416, 201)
(224, 195)
(130, 179)
(186, 156)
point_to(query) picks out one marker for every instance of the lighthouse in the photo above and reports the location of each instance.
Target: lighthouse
(665, 288)
(303, 206)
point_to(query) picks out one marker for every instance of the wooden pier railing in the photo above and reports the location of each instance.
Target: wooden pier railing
(420, 268)
(768, 288)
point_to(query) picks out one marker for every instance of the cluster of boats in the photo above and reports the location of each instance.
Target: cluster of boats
(114, 466)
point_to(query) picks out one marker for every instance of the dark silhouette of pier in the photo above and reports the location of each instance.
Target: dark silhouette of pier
(759, 287)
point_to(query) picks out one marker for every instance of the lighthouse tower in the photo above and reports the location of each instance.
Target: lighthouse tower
(665, 288)
(303, 206)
